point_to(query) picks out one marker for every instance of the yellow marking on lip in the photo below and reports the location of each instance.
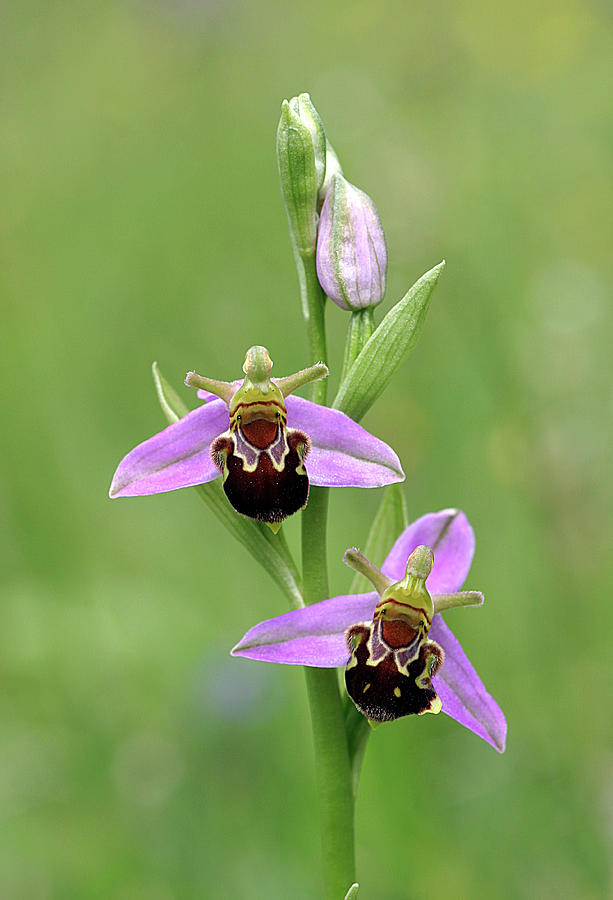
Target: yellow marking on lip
(397, 692)
(382, 607)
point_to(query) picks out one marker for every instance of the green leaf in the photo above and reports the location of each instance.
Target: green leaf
(391, 519)
(172, 406)
(392, 341)
(358, 730)
(269, 550)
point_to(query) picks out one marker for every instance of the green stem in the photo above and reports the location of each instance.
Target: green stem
(358, 731)
(313, 309)
(332, 761)
(361, 326)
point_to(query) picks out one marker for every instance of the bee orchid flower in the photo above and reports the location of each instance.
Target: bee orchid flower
(267, 445)
(400, 657)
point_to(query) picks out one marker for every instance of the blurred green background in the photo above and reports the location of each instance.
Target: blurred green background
(141, 219)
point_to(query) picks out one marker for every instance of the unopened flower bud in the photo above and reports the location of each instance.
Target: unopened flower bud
(351, 251)
(301, 153)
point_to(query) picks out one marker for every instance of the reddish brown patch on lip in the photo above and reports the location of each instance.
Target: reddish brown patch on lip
(260, 433)
(396, 633)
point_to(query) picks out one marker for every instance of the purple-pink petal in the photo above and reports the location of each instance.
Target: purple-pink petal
(343, 454)
(449, 534)
(315, 636)
(311, 636)
(462, 692)
(325, 651)
(174, 458)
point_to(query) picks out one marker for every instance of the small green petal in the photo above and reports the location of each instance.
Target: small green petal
(290, 383)
(358, 562)
(460, 598)
(225, 390)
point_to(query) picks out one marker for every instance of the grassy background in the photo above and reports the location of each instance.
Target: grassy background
(140, 220)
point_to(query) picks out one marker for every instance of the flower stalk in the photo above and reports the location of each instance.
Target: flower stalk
(313, 301)
(301, 153)
(361, 327)
(332, 759)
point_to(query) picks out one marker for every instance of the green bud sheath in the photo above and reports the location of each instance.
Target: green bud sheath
(298, 171)
(308, 115)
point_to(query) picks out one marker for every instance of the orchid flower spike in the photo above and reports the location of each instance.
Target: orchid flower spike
(258, 437)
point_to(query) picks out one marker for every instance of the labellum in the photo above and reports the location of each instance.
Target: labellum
(390, 680)
(392, 661)
(261, 459)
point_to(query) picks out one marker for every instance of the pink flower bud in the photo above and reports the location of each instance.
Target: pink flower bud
(351, 251)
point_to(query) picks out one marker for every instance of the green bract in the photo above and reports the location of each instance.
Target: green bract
(394, 339)
(271, 552)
